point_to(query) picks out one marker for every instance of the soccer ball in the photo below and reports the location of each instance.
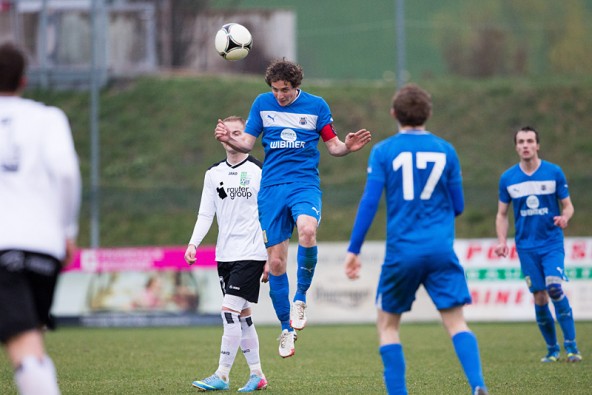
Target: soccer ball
(233, 41)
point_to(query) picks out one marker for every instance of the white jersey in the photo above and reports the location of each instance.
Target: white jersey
(40, 183)
(230, 193)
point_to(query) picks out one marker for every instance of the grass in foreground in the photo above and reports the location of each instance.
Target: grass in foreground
(329, 359)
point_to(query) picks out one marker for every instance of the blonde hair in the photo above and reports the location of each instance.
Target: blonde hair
(236, 118)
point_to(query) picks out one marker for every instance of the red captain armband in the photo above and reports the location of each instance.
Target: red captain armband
(328, 132)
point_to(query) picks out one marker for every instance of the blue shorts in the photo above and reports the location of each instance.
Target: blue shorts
(279, 208)
(440, 273)
(538, 265)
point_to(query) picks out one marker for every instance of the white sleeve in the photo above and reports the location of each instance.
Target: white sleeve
(206, 213)
(63, 162)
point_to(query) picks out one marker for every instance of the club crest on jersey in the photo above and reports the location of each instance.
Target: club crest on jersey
(244, 179)
(302, 121)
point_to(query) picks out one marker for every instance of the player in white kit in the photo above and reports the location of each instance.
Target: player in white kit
(230, 194)
(40, 191)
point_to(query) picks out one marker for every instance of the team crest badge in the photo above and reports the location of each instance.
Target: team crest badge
(303, 121)
(528, 281)
(245, 180)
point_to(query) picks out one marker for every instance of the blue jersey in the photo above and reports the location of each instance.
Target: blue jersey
(536, 202)
(290, 137)
(418, 171)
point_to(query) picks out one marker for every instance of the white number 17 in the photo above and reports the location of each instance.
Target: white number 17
(404, 161)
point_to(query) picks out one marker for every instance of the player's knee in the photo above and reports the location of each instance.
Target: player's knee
(277, 266)
(233, 303)
(555, 291)
(307, 235)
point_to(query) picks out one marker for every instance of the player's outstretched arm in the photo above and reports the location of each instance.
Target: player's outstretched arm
(353, 142)
(244, 144)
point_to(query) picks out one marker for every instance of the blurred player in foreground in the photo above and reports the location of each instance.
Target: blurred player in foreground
(291, 122)
(40, 191)
(421, 176)
(535, 187)
(230, 191)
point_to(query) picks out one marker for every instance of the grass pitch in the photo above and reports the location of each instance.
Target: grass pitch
(330, 359)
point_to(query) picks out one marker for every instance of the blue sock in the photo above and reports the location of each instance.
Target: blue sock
(565, 318)
(467, 351)
(279, 291)
(307, 261)
(393, 361)
(546, 324)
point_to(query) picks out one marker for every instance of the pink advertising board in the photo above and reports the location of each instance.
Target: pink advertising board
(139, 259)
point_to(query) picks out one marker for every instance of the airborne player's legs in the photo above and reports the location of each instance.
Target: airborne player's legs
(277, 225)
(306, 207)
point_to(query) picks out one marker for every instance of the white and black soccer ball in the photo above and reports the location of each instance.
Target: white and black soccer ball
(233, 41)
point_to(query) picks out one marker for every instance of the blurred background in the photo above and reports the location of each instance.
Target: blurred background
(332, 39)
(143, 87)
(159, 86)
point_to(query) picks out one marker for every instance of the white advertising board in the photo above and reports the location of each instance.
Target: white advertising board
(498, 291)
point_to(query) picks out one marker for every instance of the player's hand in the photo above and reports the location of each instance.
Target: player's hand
(265, 275)
(356, 141)
(560, 221)
(70, 252)
(190, 254)
(352, 266)
(221, 132)
(502, 250)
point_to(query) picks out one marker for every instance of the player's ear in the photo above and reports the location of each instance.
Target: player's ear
(393, 114)
(22, 83)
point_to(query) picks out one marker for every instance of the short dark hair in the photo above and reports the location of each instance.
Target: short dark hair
(12, 67)
(527, 129)
(284, 70)
(412, 105)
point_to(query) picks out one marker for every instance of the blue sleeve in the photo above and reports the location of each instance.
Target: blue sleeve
(366, 212)
(503, 194)
(562, 189)
(455, 188)
(254, 125)
(324, 114)
(458, 199)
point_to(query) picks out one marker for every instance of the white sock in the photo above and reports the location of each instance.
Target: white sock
(230, 342)
(250, 345)
(36, 377)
